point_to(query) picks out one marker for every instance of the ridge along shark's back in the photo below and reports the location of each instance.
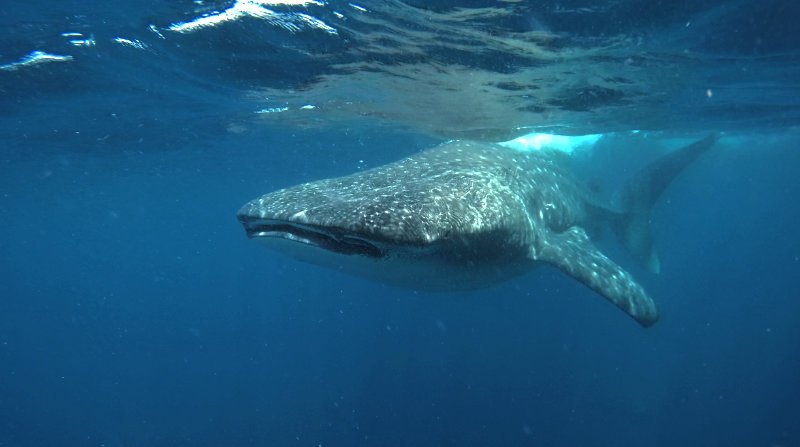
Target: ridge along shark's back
(465, 215)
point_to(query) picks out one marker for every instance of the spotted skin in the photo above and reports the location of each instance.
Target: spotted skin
(466, 214)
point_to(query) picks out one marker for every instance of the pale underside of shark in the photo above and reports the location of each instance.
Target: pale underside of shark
(467, 215)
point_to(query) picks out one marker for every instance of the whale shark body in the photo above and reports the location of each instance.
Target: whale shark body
(467, 215)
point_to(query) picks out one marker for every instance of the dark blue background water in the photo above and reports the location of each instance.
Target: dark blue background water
(134, 311)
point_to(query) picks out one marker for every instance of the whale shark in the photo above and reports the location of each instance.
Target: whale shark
(468, 215)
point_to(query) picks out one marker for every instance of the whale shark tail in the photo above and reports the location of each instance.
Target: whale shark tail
(642, 192)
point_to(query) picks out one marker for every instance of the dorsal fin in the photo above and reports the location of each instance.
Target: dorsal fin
(573, 253)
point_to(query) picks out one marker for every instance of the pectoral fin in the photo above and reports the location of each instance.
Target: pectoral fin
(573, 253)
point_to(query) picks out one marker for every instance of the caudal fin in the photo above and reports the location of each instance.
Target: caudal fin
(641, 193)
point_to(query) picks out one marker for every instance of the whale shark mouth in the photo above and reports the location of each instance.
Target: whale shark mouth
(330, 239)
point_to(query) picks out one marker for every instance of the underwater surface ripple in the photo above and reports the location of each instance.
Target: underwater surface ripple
(133, 310)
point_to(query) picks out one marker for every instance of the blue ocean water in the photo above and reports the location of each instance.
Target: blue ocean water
(134, 311)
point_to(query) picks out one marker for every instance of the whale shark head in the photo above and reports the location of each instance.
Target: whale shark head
(400, 224)
(337, 216)
(381, 244)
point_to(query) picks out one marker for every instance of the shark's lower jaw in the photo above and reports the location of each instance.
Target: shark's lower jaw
(331, 240)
